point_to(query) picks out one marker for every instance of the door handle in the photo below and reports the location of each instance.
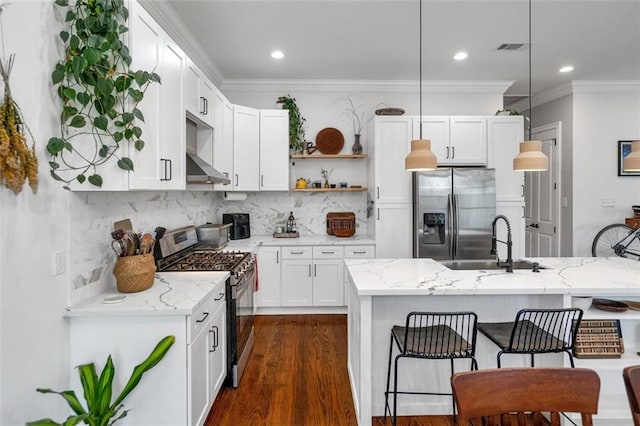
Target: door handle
(219, 297)
(377, 192)
(237, 179)
(277, 257)
(453, 152)
(262, 180)
(165, 162)
(309, 269)
(534, 225)
(378, 213)
(170, 169)
(447, 152)
(315, 271)
(328, 252)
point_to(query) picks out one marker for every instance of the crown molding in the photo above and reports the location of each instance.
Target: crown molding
(579, 86)
(166, 16)
(617, 86)
(378, 86)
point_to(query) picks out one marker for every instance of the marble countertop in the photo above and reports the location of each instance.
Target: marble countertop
(172, 293)
(572, 275)
(315, 240)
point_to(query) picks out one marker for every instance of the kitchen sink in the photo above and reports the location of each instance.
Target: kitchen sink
(484, 264)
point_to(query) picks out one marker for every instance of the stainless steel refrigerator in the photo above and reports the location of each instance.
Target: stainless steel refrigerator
(453, 211)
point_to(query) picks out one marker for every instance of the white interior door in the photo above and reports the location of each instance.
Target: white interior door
(542, 190)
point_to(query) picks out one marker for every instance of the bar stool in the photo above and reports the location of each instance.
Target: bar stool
(431, 335)
(536, 331)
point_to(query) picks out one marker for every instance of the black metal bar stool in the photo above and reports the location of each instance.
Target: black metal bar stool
(536, 331)
(431, 335)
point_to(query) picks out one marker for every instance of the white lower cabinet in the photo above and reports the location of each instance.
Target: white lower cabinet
(180, 390)
(299, 276)
(269, 277)
(393, 228)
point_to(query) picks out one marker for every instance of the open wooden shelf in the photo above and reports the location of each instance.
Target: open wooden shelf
(329, 189)
(326, 157)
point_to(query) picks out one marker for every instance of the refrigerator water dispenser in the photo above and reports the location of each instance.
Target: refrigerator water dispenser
(433, 228)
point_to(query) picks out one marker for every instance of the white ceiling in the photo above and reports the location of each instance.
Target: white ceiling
(378, 39)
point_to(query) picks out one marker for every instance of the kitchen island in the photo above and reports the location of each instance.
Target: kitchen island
(382, 291)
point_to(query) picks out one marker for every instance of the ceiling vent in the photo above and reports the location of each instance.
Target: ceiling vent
(513, 47)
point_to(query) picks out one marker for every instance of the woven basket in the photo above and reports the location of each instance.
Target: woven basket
(134, 273)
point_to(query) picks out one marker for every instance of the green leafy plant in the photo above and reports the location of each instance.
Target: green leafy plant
(100, 95)
(100, 411)
(296, 123)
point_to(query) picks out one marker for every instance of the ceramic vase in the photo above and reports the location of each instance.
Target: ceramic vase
(357, 148)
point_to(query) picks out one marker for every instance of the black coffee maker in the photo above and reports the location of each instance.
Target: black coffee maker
(240, 227)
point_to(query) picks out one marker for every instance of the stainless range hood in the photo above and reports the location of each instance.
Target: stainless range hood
(199, 171)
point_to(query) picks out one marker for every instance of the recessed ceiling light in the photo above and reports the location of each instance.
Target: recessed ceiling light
(567, 68)
(276, 54)
(460, 56)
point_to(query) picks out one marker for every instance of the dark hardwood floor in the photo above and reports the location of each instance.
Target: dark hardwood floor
(297, 375)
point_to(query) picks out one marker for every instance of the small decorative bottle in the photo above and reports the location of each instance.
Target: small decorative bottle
(291, 223)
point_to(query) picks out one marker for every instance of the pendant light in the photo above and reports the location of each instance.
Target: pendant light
(531, 158)
(631, 162)
(420, 158)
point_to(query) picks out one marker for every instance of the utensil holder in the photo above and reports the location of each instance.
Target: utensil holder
(134, 273)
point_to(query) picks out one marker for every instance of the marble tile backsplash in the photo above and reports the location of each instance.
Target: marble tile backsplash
(92, 218)
(270, 209)
(93, 215)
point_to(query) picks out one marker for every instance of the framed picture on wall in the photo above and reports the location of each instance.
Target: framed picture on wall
(624, 149)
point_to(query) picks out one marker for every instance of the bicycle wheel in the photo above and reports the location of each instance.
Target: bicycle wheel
(612, 241)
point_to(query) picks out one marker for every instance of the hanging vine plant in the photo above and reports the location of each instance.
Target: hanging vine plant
(100, 95)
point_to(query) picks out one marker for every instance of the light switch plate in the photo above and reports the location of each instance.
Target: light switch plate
(58, 263)
(607, 202)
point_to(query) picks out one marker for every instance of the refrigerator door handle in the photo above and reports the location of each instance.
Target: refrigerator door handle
(450, 225)
(456, 217)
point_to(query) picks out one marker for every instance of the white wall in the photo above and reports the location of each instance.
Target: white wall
(601, 118)
(562, 110)
(34, 335)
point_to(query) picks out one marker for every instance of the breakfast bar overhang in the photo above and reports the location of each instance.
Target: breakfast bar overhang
(382, 291)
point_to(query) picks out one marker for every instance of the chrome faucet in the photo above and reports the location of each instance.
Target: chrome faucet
(508, 265)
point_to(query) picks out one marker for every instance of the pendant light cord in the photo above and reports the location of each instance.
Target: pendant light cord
(530, 108)
(420, 55)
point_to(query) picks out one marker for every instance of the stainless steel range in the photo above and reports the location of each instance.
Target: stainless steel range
(180, 251)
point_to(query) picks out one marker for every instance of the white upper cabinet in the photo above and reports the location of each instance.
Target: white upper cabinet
(393, 136)
(274, 150)
(456, 140)
(504, 135)
(436, 129)
(161, 164)
(246, 149)
(199, 94)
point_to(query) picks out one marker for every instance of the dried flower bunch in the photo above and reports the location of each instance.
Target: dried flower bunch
(326, 174)
(18, 162)
(358, 119)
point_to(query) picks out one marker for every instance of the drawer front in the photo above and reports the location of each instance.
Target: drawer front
(299, 252)
(203, 313)
(328, 252)
(359, 252)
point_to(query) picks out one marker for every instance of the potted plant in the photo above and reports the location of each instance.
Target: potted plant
(98, 92)
(296, 123)
(100, 410)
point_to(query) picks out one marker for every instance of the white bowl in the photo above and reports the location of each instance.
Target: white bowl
(581, 302)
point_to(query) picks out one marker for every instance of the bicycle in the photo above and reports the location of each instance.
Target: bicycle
(617, 240)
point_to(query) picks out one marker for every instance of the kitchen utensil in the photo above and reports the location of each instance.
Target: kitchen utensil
(135, 240)
(117, 247)
(124, 224)
(609, 305)
(329, 141)
(160, 232)
(146, 243)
